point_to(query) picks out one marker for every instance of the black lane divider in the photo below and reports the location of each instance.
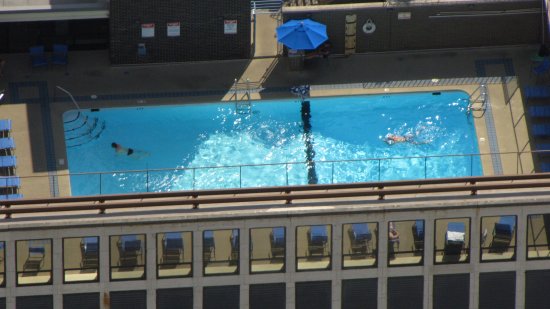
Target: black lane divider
(308, 140)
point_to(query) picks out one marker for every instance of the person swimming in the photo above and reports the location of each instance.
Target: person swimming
(119, 149)
(394, 138)
(122, 150)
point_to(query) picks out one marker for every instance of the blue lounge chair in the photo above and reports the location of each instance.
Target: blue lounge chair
(504, 231)
(60, 52)
(543, 149)
(129, 250)
(38, 58)
(89, 248)
(5, 127)
(208, 245)
(360, 236)
(13, 196)
(317, 240)
(8, 161)
(6, 145)
(539, 111)
(35, 257)
(172, 248)
(455, 238)
(543, 68)
(418, 234)
(10, 181)
(537, 92)
(545, 167)
(277, 238)
(543, 146)
(540, 130)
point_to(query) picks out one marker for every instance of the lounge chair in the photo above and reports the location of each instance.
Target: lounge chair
(234, 239)
(38, 57)
(5, 127)
(537, 92)
(504, 230)
(6, 145)
(10, 182)
(543, 68)
(35, 257)
(89, 248)
(12, 196)
(418, 234)
(543, 146)
(539, 111)
(129, 248)
(317, 237)
(455, 238)
(172, 248)
(8, 163)
(545, 167)
(360, 237)
(60, 52)
(208, 246)
(277, 239)
(540, 130)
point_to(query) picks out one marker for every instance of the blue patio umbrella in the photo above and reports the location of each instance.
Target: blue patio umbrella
(302, 34)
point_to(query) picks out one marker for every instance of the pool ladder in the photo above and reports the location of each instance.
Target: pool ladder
(477, 101)
(241, 95)
(82, 129)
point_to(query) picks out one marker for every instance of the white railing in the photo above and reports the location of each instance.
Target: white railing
(266, 6)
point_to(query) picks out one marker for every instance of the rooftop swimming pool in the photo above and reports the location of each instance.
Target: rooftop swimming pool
(284, 142)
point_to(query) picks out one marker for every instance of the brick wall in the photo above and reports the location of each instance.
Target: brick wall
(201, 37)
(426, 31)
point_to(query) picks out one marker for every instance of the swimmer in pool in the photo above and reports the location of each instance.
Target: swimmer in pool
(119, 149)
(394, 138)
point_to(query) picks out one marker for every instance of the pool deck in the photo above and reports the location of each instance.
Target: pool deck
(35, 106)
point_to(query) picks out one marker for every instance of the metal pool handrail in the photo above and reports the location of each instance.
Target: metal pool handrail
(380, 168)
(288, 194)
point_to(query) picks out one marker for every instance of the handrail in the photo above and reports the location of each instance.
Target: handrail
(274, 194)
(377, 175)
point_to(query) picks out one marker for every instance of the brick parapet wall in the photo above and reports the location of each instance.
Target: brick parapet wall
(476, 24)
(201, 37)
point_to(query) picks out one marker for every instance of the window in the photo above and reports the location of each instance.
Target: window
(220, 252)
(34, 261)
(359, 244)
(81, 259)
(405, 242)
(127, 257)
(313, 247)
(267, 250)
(452, 241)
(174, 254)
(538, 236)
(498, 238)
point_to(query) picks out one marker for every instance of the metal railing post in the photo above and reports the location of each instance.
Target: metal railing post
(193, 180)
(425, 167)
(147, 180)
(100, 185)
(379, 170)
(286, 172)
(332, 173)
(471, 165)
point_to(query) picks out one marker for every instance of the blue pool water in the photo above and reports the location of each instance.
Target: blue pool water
(211, 146)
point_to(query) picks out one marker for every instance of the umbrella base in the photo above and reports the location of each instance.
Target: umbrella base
(295, 60)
